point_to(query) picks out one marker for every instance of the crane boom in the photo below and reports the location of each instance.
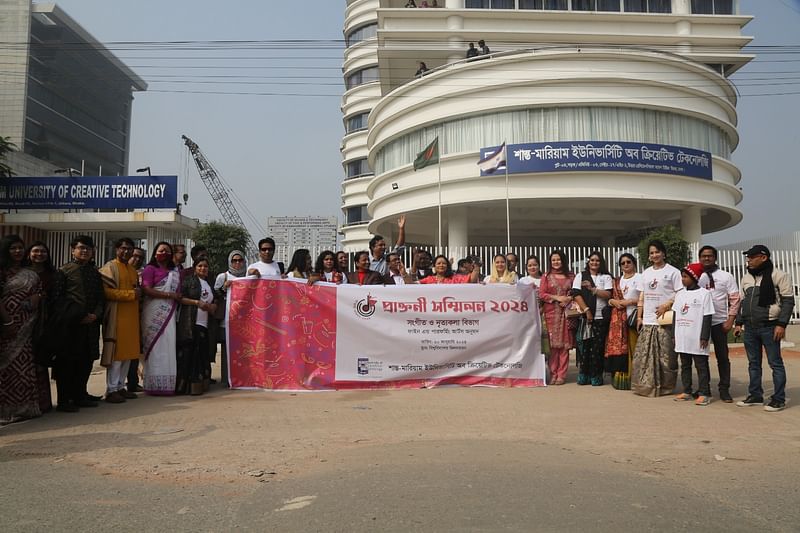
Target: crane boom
(219, 194)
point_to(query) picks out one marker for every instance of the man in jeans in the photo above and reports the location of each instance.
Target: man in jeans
(765, 310)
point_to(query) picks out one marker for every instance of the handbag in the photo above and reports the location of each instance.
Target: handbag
(573, 310)
(633, 320)
(667, 318)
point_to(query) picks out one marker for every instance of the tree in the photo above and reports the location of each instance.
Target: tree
(677, 247)
(6, 147)
(220, 239)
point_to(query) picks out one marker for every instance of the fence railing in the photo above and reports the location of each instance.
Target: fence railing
(729, 260)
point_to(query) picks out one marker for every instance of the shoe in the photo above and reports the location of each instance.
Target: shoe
(750, 401)
(93, 398)
(67, 408)
(86, 403)
(127, 394)
(702, 400)
(115, 397)
(597, 381)
(774, 406)
(583, 379)
(135, 388)
(559, 381)
(725, 396)
(212, 381)
(683, 397)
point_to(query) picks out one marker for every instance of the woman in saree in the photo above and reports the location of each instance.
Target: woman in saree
(500, 272)
(622, 332)
(554, 292)
(161, 287)
(20, 291)
(443, 273)
(197, 302)
(37, 258)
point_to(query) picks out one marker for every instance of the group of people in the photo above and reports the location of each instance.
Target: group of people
(472, 54)
(635, 327)
(57, 322)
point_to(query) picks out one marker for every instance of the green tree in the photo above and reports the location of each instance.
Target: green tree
(6, 147)
(677, 247)
(220, 239)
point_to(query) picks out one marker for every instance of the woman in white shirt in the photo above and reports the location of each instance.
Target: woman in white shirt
(300, 266)
(592, 289)
(193, 359)
(655, 365)
(534, 277)
(622, 331)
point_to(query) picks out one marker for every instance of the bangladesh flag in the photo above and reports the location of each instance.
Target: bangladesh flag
(429, 156)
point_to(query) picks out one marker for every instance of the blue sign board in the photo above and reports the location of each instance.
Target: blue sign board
(96, 192)
(604, 156)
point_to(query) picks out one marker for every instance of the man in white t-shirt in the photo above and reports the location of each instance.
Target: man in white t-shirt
(265, 267)
(725, 297)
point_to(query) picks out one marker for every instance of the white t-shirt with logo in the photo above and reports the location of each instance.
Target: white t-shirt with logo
(207, 296)
(602, 282)
(724, 286)
(690, 307)
(631, 288)
(660, 286)
(266, 269)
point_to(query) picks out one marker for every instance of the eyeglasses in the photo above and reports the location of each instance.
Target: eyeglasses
(267, 249)
(626, 262)
(237, 260)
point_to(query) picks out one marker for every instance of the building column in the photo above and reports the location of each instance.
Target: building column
(681, 7)
(454, 4)
(691, 226)
(457, 230)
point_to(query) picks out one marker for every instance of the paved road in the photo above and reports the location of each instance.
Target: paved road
(557, 459)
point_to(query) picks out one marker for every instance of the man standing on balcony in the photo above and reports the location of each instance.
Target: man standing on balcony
(767, 303)
(725, 296)
(377, 248)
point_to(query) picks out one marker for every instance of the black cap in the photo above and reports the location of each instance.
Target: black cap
(758, 249)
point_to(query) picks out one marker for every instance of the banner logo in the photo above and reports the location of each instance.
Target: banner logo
(363, 366)
(685, 309)
(365, 307)
(654, 284)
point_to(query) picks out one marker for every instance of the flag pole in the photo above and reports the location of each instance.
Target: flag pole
(508, 211)
(439, 166)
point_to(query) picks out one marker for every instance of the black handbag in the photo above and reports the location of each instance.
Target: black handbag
(633, 320)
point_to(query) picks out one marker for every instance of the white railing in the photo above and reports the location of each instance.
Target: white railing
(729, 260)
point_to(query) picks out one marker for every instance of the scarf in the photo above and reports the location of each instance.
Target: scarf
(766, 295)
(588, 298)
(709, 271)
(233, 271)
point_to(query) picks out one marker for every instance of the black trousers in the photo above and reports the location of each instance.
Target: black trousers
(720, 340)
(703, 373)
(69, 386)
(73, 367)
(133, 374)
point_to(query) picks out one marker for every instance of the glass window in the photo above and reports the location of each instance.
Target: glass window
(635, 6)
(360, 34)
(477, 4)
(608, 5)
(583, 5)
(357, 168)
(712, 7)
(503, 4)
(659, 6)
(362, 76)
(356, 122)
(356, 214)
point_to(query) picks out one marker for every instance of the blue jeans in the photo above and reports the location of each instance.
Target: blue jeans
(754, 339)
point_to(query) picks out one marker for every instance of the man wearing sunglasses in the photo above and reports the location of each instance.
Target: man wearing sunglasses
(265, 266)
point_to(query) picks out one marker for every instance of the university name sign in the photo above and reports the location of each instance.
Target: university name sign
(101, 192)
(605, 156)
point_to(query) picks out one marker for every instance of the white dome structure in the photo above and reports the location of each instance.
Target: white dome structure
(631, 98)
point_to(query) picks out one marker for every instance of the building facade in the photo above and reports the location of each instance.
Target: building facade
(66, 103)
(600, 73)
(312, 232)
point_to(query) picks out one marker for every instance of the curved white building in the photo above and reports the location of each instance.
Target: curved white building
(602, 104)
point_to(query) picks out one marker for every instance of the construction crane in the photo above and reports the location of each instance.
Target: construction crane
(218, 193)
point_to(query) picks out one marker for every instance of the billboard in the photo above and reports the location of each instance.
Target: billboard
(96, 192)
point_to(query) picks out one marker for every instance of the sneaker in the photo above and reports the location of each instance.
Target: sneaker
(725, 396)
(702, 400)
(775, 406)
(750, 401)
(683, 397)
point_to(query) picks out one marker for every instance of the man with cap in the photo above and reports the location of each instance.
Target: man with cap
(765, 311)
(725, 296)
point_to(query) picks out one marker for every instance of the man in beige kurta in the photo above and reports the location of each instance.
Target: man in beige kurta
(121, 342)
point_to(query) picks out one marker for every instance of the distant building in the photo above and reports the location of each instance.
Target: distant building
(66, 103)
(314, 233)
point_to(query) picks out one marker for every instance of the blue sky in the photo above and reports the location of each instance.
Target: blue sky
(280, 154)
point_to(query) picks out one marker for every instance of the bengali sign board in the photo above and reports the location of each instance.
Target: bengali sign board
(287, 335)
(576, 156)
(96, 192)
